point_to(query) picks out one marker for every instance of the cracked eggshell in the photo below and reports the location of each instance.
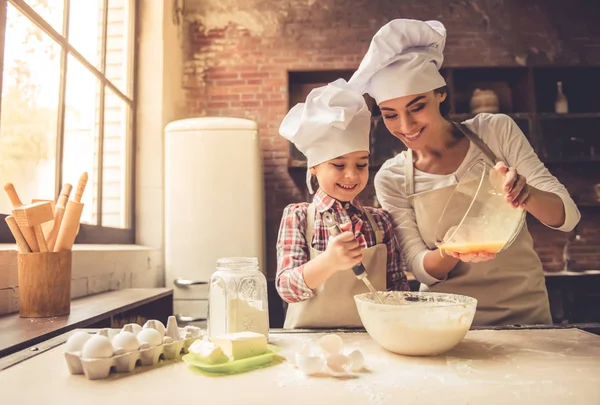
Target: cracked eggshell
(97, 347)
(357, 359)
(309, 364)
(133, 328)
(307, 349)
(126, 341)
(331, 344)
(76, 342)
(338, 365)
(194, 331)
(158, 325)
(150, 336)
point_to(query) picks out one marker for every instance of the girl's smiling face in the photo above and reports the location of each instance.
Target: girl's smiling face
(344, 177)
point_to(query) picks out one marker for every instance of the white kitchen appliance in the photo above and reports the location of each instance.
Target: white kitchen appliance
(214, 205)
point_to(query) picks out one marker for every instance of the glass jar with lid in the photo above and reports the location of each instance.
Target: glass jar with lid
(237, 298)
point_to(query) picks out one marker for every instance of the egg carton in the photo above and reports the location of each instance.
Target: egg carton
(96, 355)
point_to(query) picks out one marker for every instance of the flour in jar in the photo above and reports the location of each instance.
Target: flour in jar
(236, 314)
(247, 316)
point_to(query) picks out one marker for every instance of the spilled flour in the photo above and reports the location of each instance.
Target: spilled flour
(373, 394)
(488, 367)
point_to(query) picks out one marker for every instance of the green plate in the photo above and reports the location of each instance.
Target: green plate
(234, 366)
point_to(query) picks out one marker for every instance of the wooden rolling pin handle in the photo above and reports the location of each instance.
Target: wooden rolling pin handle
(12, 195)
(80, 187)
(65, 192)
(28, 232)
(14, 229)
(39, 235)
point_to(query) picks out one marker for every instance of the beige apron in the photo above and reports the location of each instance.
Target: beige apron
(333, 305)
(510, 289)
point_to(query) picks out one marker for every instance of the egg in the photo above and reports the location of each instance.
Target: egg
(309, 364)
(331, 344)
(76, 341)
(150, 336)
(158, 325)
(126, 341)
(97, 347)
(338, 365)
(357, 359)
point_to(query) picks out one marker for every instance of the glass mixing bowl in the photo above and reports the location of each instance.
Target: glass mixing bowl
(416, 323)
(477, 217)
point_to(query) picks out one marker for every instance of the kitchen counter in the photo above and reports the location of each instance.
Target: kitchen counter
(534, 366)
(92, 311)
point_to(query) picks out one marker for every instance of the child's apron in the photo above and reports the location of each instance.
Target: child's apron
(333, 305)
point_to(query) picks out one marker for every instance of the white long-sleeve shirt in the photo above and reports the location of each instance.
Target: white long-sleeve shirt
(509, 144)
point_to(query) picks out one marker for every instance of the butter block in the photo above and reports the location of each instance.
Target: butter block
(208, 352)
(241, 345)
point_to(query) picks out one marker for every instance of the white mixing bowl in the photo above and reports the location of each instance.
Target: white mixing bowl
(416, 323)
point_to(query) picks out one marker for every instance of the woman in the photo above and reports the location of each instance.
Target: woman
(401, 72)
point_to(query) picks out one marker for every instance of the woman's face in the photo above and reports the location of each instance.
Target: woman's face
(413, 119)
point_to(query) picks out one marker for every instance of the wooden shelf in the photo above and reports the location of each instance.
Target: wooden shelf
(588, 205)
(302, 168)
(297, 164)
(517, 116)
(555, 116)
(589, 159)
(92, 311)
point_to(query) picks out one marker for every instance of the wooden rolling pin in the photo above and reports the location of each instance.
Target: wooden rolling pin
(28, 232)
(16, 231)
(34, 215)
(70, 222)
(59, 212)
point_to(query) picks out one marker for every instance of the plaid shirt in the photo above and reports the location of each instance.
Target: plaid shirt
(293, 252)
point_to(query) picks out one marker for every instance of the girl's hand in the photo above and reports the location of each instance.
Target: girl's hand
(343, 251)
(514, 186)
(474, 257)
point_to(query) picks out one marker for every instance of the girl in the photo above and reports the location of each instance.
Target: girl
(313, 269)
(400, 71)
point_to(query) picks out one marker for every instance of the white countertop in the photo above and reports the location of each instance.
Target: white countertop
(488, 367)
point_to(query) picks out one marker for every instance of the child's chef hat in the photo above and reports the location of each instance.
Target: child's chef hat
(404, 58)
(332, 122)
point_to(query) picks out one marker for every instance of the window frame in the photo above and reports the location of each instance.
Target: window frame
(89, 234)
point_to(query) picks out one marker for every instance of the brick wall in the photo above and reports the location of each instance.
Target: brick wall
(238, 54)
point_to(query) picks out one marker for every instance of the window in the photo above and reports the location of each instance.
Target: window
(68, 107)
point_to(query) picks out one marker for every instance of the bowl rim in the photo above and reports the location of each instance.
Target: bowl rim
(468, 299)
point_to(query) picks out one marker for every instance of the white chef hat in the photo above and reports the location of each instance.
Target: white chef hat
(404, 58)
(332, 122)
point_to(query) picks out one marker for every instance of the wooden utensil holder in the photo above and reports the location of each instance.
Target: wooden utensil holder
(44, 284)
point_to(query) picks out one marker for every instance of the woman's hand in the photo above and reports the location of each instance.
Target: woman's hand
(472, 257)
(514, 186)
